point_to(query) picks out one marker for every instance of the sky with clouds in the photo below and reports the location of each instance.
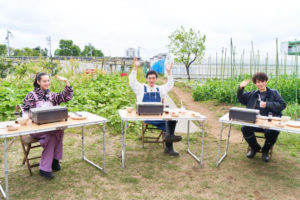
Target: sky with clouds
(115, 25)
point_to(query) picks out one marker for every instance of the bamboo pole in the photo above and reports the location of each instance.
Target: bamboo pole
(277, 61)
(222, 64)
(266, 64)
(253, 56)
(216, 65)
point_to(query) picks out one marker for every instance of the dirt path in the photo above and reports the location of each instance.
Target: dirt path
(212, 112)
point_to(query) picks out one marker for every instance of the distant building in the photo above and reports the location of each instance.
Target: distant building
(157, 57)
(290, 48)
(138, 53)
(131, 53)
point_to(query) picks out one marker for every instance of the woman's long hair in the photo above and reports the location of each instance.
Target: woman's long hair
(38, 77)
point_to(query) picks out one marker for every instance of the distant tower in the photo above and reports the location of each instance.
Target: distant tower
(8, 35)
(138, 52)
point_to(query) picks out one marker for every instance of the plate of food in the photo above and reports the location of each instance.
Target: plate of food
(175, 113)
(77, 115)
(195, 114)
(12, 127)
(276, 118)
(279, 124)
(295, 124)
(262, 117)
(5, 124)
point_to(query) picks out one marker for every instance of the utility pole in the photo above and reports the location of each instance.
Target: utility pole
(49, 43)
(8, 35)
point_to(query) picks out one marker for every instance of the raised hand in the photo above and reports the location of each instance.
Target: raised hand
(136, 63)
(263, 104)
(63, 79)
(244, 83)
(168, 67)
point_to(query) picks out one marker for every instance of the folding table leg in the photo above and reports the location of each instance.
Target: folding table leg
(199, 160)
(124, 132)
(104, 149)
(219, 146)
(5, 194)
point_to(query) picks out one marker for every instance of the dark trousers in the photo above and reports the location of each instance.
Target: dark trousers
(171, 125)
(271, 137)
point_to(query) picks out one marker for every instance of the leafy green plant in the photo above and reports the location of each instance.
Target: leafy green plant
(5, 66)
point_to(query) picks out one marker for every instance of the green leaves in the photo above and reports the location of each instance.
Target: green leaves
(187, 46)
(6, 66)
(104, 96)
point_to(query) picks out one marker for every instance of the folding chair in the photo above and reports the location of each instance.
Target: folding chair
(28, 143)
(151, 139)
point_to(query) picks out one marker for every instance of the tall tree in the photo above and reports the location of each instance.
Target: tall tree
(90, 50)
(6, 67)
(18, 52)
(3, 50)
(187, 46)
(67, 48)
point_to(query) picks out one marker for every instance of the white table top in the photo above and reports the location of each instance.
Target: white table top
(188, 115)
(34, 128)
(261, 123)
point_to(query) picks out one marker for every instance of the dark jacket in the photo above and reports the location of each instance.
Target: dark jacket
(275, 103)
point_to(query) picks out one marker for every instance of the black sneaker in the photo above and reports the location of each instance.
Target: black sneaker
(172, 153)
(173, 138)
(265, 156)
(169, 150)
(251, 153)
(55, 165)
(47, 175)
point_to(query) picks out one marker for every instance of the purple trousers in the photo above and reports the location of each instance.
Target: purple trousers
(52, 142)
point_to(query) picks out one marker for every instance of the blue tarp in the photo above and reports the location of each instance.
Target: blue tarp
(159, 66)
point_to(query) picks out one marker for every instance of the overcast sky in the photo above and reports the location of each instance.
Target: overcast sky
(114, 25)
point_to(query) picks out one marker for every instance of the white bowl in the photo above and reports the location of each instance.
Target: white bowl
(22, 121)
(129, 109)
(286, 118)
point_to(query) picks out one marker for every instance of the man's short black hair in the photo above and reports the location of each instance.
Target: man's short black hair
(151, 72)
(260, 76)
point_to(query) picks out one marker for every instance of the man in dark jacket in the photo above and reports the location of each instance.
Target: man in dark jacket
(267, 101)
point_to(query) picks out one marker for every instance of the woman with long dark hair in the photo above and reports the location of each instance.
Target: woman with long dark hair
(51, 141)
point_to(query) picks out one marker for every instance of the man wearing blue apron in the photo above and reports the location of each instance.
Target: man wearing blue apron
(153, 93)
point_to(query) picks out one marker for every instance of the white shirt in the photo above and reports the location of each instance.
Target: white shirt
(138, 88)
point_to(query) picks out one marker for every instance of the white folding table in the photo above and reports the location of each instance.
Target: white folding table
(125, 117)
(260, 123)
(91, 119)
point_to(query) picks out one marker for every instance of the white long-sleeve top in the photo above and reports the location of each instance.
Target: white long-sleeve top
(138, 87)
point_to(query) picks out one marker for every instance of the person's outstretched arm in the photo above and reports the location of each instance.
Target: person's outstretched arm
(170, 84)
(241, 95)
(134, 84)
(66, 94)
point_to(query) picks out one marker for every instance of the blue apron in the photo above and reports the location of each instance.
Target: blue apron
(154, 97)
